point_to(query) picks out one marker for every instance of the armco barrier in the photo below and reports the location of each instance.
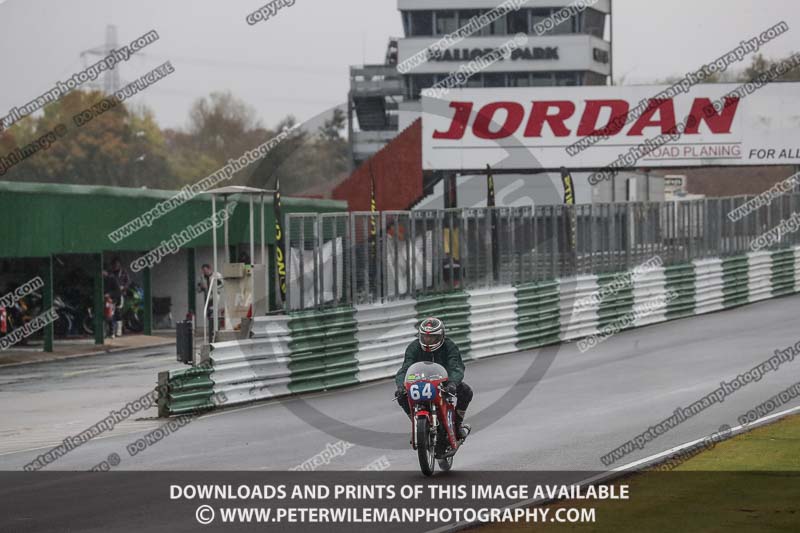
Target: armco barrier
(453, 309)
(382, 334)
(782, 276)
(256, 368)
(492, 321)
(185, 391)
(314, 351)
(323, 349)
(538, 314)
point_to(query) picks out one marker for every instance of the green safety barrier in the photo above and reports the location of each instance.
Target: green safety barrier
(680, 279)
(453, 309)
(185, 391)
(538, 314)
(617, 305)
(783, 276)
(323, 349)
(323, 346)
(736, 283)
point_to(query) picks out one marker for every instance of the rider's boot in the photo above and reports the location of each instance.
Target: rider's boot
(462, 429)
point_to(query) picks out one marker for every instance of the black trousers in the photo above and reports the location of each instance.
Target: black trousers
(463, 397)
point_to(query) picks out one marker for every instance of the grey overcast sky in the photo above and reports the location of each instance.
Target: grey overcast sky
(297, 62)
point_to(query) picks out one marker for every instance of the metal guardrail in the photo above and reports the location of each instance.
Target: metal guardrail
(363, 258)
(323, 349)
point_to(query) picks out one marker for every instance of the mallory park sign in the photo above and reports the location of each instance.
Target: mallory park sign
(531, 53)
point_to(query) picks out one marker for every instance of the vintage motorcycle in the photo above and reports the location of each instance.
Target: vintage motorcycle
(433, 416)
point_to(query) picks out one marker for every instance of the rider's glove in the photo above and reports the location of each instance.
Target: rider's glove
(401, 391)
(452, 387)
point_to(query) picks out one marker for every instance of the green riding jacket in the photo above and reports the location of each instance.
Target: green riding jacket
(447, 355)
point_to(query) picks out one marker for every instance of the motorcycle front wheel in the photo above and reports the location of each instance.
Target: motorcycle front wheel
(425, 446)
(88, 324)
(446, 464)
(134, 321)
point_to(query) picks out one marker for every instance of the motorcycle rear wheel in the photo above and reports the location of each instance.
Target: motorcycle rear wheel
(425, 447)
(134, 321)
(88, 324)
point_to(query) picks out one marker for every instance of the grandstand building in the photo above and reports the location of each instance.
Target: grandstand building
(561, 51)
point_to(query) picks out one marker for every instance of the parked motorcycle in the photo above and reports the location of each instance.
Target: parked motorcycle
(23, 311)
(433, 416)
(69, 316)
(132, 311)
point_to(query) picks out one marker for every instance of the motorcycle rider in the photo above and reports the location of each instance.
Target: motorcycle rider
(433, 345)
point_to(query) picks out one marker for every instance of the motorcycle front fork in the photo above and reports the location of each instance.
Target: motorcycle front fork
(433, 418)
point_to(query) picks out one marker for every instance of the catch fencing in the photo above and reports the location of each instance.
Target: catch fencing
(370, 258)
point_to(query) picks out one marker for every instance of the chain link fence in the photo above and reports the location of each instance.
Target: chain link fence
(369, 258)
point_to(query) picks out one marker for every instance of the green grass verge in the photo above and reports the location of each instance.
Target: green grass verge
(750, 483)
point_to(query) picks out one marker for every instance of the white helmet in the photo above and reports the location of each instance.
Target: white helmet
(431, 334)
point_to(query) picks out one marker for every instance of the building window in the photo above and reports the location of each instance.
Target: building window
(494, 79)
(498, 27)
(446, 22)
(567, 79)
(541, 15)
(421, 23)
(538, 16)
(541, 79)
(594, 23)
(519, 79)
(417, 82)
(475, 81)
(566, 26)
(465, 15)
(593, 78)
(517, 22)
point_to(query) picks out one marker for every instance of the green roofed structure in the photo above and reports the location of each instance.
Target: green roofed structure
(44, 221)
